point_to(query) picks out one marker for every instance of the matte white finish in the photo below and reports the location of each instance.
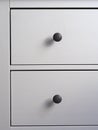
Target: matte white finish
(5, 62)
(49, 67)
(32, 93)
(53, 3)
(57, 128)
(4, 65)
(32, 31)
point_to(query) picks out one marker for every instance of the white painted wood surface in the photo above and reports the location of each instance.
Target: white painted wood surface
(32, 32)
(5, 62)
(4, 65)
(32, 93)
(53, 3)
(57, 128)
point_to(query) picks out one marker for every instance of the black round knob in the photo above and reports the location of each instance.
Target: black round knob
(57, 37)
(57, 99)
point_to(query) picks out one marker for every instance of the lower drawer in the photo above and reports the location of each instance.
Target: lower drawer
(33, 102)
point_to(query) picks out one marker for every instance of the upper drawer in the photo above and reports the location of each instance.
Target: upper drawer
(32, 33)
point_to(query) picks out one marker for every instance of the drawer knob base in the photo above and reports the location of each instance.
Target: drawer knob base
(57, 99)
(57, 37)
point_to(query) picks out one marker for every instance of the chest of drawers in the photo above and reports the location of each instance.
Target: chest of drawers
(49, 65)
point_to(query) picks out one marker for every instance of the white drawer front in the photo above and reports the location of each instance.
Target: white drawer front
(32, 33)
(32, 95)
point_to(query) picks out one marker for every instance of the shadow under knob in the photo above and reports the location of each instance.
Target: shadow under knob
(57, 99)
